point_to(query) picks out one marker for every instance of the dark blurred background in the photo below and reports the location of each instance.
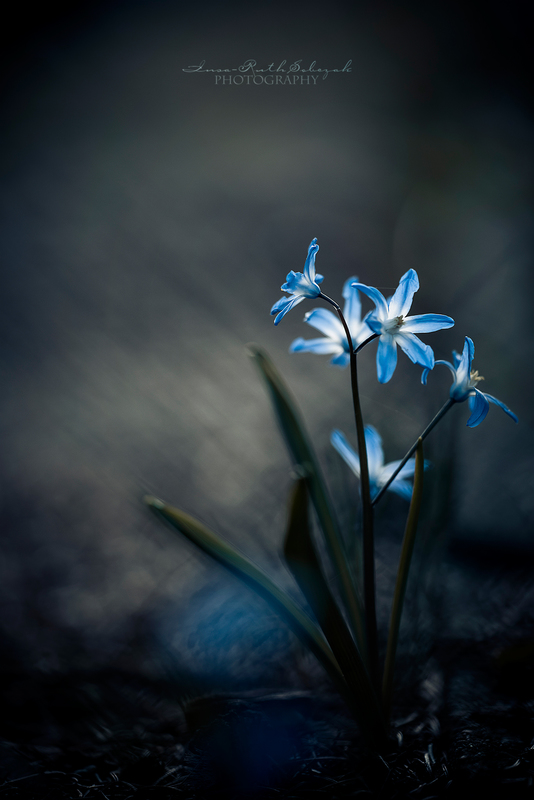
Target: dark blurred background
(149, 219)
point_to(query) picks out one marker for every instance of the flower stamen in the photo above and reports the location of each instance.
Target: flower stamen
(393, 324)
(475, 378)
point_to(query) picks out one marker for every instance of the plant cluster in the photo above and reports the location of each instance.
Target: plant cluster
(343, 635)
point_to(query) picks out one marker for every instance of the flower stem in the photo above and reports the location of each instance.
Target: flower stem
(366, 341)
(441, 413)
(369, 591)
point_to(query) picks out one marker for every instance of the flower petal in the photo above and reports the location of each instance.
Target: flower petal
(426, 323)
(284, 305)
(501, 405)
(342, 360)
(414, 348)
(364, 333)
(309, 265)
(320, 346)
(345, 451)
(297, 283)
(279, 305)
(479, 406)
(445, 364)
(377, 297)
(401, 302)
(403, 488)
(463, 368)
(375, 453)
(327, 322)
(374, 324)
(386, 357)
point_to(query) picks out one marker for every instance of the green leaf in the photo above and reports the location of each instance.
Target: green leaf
(303, 456)
(302, 560)
(402, 578)
(256, 579)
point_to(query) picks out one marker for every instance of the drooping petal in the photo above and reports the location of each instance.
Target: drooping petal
(427, 323)
(279, 305)
(401, 302)
(309, 265)
(377, 297)
(375, 453)
(320, 346)
(345, 451)
(414, 348)
(386, 357)
(326, 322)
(448, 364)
(319, 278)
(284, 305)
(353, 307)
(501, 405)
(479, 407)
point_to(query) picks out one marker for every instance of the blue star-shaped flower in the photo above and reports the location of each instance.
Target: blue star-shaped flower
(299, 285)
(390, 323)
(464, 386)
(334, 342)
(379, 473)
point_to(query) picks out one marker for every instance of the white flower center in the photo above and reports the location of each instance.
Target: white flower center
(392, 325)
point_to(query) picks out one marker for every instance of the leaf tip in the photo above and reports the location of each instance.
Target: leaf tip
(153, 502)
(252, 349)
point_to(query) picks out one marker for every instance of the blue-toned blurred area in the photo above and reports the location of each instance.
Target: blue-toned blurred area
(149, 217)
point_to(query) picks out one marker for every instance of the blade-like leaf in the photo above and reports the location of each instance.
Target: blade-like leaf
(402, 578)
(303, 455)
(256, 579)
(301, 558)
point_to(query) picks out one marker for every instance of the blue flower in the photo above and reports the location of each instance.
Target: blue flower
(390, 323)
(334, 342)
(299, 285)
(464, 386)
(379, 473)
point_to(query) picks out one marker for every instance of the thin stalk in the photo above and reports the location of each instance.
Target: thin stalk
(402, 579)
(365, 342)
(441, 413)
(369, 590)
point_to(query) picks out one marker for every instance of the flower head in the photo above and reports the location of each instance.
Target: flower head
(464, 385)
(299, 285)
(334, 342)
(379, 473)
(390, 323)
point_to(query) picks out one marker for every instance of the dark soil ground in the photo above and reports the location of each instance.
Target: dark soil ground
(468, 725)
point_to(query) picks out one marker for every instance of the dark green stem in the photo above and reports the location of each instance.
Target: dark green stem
(441, 413)
(369, 590)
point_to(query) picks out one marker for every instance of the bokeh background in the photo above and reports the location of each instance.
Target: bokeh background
(149, 219)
